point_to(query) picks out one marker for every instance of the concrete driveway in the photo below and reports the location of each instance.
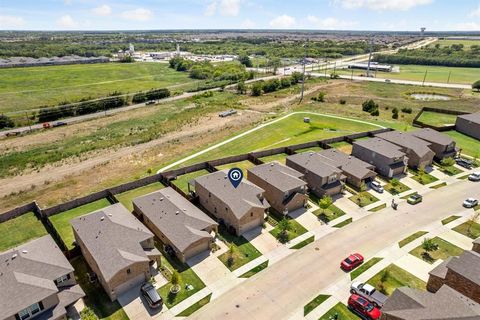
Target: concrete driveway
(136, 307)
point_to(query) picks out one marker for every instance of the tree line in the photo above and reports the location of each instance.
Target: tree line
(232, 71)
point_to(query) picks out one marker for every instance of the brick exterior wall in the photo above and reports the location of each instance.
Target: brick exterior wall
(463, 285)
(467, 127)
(476, 247)
(381, 163)
(434, 283)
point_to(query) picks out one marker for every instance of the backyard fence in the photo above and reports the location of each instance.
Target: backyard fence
(420, 124)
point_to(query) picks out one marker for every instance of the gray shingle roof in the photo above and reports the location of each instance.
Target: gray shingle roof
(27, 274)
(349, 164)
(315, 163)
(446, 303)
(381, 146)
(176, 217)
(419, 146)
(240, 200)
(473, 117)
(112, 235)
(467, 265)
(433, 136)
(279, 176)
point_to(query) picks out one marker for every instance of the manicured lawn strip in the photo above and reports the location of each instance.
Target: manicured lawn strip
(411, 238)
(363, 199)
(194, 307)
(450, 170)
(127, 197)
(20, 230)
(408, 195)
(244, 251)
(303, 243)
(396, 190)
(438, 186)
(470, 229)
(61, 221)
(255, 270)
(186, 276)
(244, 165)
(311, 149)
(445, 250)
(469, 145)
(364, 267)
(424, 178)
(465, 177)
(341, 311)
(281, 157)
(343, 223)
(395, 277)
(296, 230)
(318, 300)
(96, 298)
(182, 181)
(378, 208)
(329, 214)
(449, 219)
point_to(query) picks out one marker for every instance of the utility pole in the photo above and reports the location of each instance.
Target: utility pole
(304, 65)
(29, 122)
(326, 65)
(352, 74)
(424, 77)
(448, 80)
(370, 57)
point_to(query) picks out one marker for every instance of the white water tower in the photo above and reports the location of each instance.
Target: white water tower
(422, 31)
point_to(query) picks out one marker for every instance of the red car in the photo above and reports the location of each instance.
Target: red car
(363, 307)
(351, 262)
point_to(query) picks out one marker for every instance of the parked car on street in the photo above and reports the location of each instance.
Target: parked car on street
(363, 307)
(375, 185)
(150, 102)
(351, 262)
(368, 292)
(46, 125)
(474, 176)
(59, 124)
(468, 164)
(151, 295)
(470, 203)
(414, 199)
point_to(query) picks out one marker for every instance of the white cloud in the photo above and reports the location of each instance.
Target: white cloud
(248, 24)
(476, 12)
(67, 22)
(283, 22)
(11, 22)
(329, 23)
(103, 10)
(67, 2)
(467, 26)
(223, 7)
(139, 14)
(381, 5)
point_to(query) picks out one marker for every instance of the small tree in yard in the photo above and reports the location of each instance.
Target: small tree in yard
(257, 88)
(476, 85)
(6, 122)
(428, 246)
(325, 202)
(471, 223)
(175, 281)
(284, 226)
(383, 279)
(447, 162)
(395, 182)
(231, 252)
(363, 186)
(421, 173)
(241, 88)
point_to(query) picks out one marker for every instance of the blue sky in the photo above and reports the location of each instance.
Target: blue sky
(435, 15)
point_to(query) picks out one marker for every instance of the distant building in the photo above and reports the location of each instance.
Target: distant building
(374, 66)
(469, 124)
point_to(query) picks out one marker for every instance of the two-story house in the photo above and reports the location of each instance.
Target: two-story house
(440, 143)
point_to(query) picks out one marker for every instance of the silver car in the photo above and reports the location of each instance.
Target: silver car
(375, 185)
(470, 203)
(474, 176)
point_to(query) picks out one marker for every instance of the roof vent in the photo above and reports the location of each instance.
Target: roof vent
(24, 251)
(109, 214)
(311, 153)
(177, 212)
(184, 209)
(14, 256)
(102, 218)
(272, 164)
(161, 199)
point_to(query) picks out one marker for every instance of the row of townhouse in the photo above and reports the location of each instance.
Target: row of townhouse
(469, 124)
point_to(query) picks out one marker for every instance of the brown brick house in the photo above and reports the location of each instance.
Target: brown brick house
(440, 143)
(469, 124)
(387, 157)
(176, 222)
(36, 281)
(117, 247)
(284, 188)
(239, 209)
(321, 176)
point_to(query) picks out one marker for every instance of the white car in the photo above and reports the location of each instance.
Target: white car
(474, 176)
(470, 203)
(375, 185)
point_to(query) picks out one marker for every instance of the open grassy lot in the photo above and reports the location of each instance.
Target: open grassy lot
(363, 199)
(281, 157)
(243, 251)
(399, 188)
(445, 250)
(411, 238)
(437, 119)
(244, 165)
(255, 270)
(329, 214)
(364, 267)
(28, 88)
(422, 178)
(393, 277)
(318, 300)
(449, 219)
(467, 43)
(470, 229)
(182, 181)
(96, 298)
(127, 197)
(194, 307)
(296, 229)
(341, 311)
(61, 221)
(470, 146)
(20, 230)
(187, 277)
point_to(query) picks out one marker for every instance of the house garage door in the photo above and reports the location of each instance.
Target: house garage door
(132, 283)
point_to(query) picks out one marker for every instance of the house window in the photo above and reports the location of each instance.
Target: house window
(209, 195)
(129, 271)
(62, 279)
(251, 214)
(30, 311)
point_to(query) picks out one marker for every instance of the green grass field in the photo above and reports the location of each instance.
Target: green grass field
(20, 230)
(470, 146)
(393, 277)
(182, 181)
(61, 221)
(281, 157)
(127, 197)
(363, 199)
(467, 43)
(469, 229)
(329, 214)
(243, 165)
(243, 251)
(437, 119)
(341, 311)
(296, 230)
(445, 250)
(29, 88)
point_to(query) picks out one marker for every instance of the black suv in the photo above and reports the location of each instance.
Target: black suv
(468, 164)
(151, 295)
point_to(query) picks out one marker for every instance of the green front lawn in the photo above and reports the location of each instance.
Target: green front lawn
(318, 300)
(445, 250)
(127, 197)
(182, 181)
(341, 312)
(303, 243)
(393, 277)
(364, 267)
(96, 298)
(411, 238)
(438, 186)
(329, 214)
(449, 219)
(281, 157)
(255, 270)
(194, 307)
(343, 223)
(187, 277)
(450, 170)
(243, 251)
(399, 188)
(61, 221)
(470, 229)
(19, 230)
(296, 229)
(422, 178)
(363, 199)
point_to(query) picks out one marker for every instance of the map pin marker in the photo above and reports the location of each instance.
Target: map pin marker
(235, 175)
